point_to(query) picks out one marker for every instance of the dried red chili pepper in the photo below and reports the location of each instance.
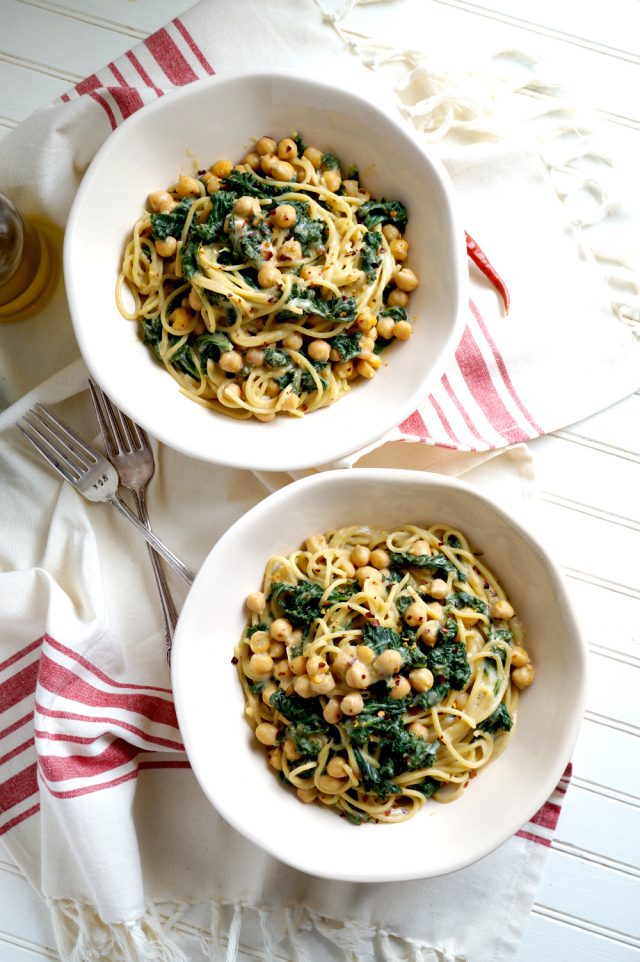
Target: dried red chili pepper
(481, 261)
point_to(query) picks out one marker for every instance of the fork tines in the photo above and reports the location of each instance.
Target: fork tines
(115, 424)
(57, 443)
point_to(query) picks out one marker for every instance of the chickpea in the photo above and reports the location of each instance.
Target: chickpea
(316, 664)
(366, 369)
(419, 730)
(167, 247)
(272, 389)
(360, 555)
(523, 677)
(302, 686)
(330, 785)
(247, 206)
(365, 654)
(211, 182)
(267, 692)
(416, 614)
(397, 298)
(400, 249)
(299, 665)
(502, 610)
(307, 795)
(256, 602)
(428, 633)
(351, 187)
(420, 548)
(343, 661)
(181, 320)
(275, 759)
(161, 201)
(269, 276)
(290, 402)
(385, 327)
(318, 350)
(290, 251)
(352, 704)
(314, 543)
(337, 767)
(367, 344)
(267, 163)
(313, 155)
(187, 186)
(365, 322)
(280, 629)
(421, 679)
(405, 279)
(259, 642)
(252, 159)
(388, 662)
(311, 273)
(222, 168)
(460, 701)
(285, 215)
(400, 687)
(345, 370)
(390, 232)
(277, 650)
(438, 588)
(281, 670)
(331, 179)
(322, 684)
(266, 733)
(367, 573)
(520, 657)
(287, 149)
(358, 676)
(195, 301)
(402, 330)
(289, 749)
(260, 664)
(283, 171)
(266, 145)
(380, 558)
(332, 712)
(292, 341)
(254, 357)
(231, 361)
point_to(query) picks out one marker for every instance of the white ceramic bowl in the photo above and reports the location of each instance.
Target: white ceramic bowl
(231, 766)
(218, 117)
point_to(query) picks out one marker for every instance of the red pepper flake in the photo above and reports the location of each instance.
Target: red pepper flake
(473, 774)
(234, 660)
(375, 623)
(483, 263)
(268, 255)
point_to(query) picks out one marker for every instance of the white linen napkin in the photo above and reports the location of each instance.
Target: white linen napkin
(95, 786)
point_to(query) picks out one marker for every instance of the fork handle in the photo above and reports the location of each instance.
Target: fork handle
(172, 559)
(166, 601)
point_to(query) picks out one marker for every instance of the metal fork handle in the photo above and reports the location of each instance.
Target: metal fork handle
(169, 611)
(168, 555)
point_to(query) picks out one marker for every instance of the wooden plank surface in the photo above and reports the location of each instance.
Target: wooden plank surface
(588, 474)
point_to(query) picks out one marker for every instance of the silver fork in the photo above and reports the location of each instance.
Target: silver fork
(88, 471)
(128, 449)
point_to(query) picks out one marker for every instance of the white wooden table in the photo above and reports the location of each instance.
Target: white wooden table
(588, 905)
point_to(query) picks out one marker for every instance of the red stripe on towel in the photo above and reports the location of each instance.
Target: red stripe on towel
(20, 654)
(443, 420)
(193, 47)
(460, 407)
(61, 681)
(89, 789)
(16, 751)
(169, 57)
(106, 720)
(105, 106)
(18, 686)
(415, 425)
(19, 818)
(20, 786)
(60, 768)
(10, 729)
(98, 672)
(533, 838)
(133, 60)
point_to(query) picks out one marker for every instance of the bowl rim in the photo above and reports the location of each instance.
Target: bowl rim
(290, 457)
(387, 477)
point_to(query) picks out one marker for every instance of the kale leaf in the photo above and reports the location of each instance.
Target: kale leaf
(427, 699)
(299, 711)
(185, 359)
(299, 142)
(462, 599)
(247, 243)
(152, 333)
(261, 626)
(370, 257)
(274, 358)
(374, 779)
(211, 346)
(448, 661)
(395, 313)
(500, 720)
(246, 184)
(308, 231)
(330, 162)
(171, 223)
(437, 563)
(299, 603)
(501, 634)
(347, 345)
(428, 787)
(379, 639)
(375, 212)
(343, 592)
(308, 301)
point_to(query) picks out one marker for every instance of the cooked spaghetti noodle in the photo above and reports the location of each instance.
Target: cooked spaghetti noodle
(381, 668)
(270, 286)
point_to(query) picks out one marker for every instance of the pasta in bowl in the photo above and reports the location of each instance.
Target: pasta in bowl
(369, 509)
(269, 286)
(140, 160)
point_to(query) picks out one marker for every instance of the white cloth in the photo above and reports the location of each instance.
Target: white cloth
(98, 804)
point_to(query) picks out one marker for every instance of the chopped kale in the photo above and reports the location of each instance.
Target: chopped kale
(379, 639)
(307, 382)
(374, 779)
(213, 228)
(185, 359)
(500, 720)
(246, 184)
(152, 334)
(501, 634)
(347, 345)
(274, 358)
(261, 626)
(299, 603)
(462, 599)
(370, 257)
(448, 661)
(402, 603)
(428, 787)
(303, 711)
(171, 223)
(330, 162)
(395, 313)
(448, 632)
(308, 301)
(248, 242)
(211, 346)
(375, 212)
(352, 173)
(343, 592)
(356, 818)
(499, 652)
(453, 541)
(427, 699)
(257, 686)
(308, 231)
(437, 563)
(299, 142)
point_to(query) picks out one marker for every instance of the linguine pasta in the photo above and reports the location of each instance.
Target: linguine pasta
(381, 668)
(270, 286)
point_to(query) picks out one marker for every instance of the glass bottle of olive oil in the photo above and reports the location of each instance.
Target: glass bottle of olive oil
(29, 264)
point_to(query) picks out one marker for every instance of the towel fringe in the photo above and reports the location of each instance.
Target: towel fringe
(161, 935)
